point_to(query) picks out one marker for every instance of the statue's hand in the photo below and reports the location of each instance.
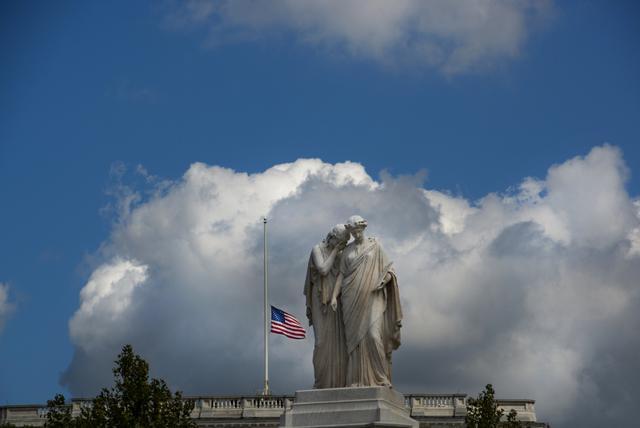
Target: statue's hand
(334, 304)
(387, 278)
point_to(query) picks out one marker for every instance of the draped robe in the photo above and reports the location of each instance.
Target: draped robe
(329, 352)
(371, 313)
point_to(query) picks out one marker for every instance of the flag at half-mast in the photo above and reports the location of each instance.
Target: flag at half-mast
(286, 324)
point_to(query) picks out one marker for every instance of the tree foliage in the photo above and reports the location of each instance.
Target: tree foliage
(133, 402)
(58, 413)
(483, 412)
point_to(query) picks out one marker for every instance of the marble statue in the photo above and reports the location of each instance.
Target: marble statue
(329, 352)
(366, 293)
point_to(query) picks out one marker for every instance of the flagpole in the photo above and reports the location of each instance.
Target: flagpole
(267, 314)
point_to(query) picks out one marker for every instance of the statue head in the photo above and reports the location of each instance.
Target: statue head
(339, 234)
(356, 225)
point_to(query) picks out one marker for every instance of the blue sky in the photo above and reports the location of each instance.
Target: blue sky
(88, 85)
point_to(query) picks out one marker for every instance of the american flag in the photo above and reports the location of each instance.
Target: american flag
(286, 324)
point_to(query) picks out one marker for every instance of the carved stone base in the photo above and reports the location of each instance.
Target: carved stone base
(378, 407)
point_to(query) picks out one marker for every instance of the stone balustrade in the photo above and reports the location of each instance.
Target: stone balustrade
(254, 409)
(440, 405)
(239, 407)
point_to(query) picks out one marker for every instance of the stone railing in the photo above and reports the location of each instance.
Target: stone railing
(440, 405)
(455, 405)
(239, 407)
(421, 406)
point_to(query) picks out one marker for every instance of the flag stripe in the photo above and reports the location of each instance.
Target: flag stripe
(296, 329)
(281, 326)
(286, 332)
(292, 320)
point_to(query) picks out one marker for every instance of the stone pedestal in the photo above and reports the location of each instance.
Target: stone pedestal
(379, 407)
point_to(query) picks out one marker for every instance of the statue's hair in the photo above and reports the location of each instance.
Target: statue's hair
(356, 221)
(340, 232)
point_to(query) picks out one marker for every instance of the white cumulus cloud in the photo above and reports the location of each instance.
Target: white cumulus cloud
(106, 299)
(534, 290)
(450, 35)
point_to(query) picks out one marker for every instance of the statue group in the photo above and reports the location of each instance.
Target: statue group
(353, 305)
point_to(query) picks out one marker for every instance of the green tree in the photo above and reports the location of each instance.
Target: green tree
(134, 401)
(483, 412)
(58, 413)
(512, 420)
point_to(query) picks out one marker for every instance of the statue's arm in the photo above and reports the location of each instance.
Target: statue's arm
(323, 266)
(336, 292)
(385, 280)
(390, 272)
